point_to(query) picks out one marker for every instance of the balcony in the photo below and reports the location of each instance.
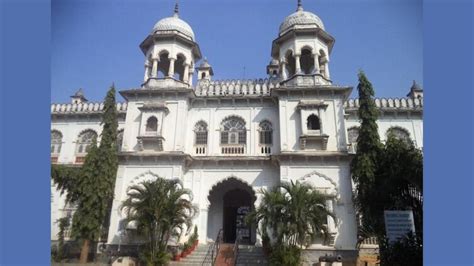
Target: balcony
(265, 149)
(200, 149)
(150, 141)
(314, 140)
(233, 149)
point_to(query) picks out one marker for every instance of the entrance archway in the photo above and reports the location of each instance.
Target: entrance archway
(230, 201)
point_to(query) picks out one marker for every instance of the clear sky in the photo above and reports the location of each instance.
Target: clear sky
(95, 42)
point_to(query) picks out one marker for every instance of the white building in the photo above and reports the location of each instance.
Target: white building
(227, 139)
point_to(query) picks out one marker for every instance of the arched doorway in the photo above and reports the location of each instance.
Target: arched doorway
(230, 201)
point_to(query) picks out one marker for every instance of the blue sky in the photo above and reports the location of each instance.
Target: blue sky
(95, 42)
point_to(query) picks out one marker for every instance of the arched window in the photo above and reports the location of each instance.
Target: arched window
(119, 140)
(163, 64)
(233, 131)
(307, 61)
(179, 67)
(200, 129)
(399, 133)
(151, 124)
(290, 63)
(313, 122)
(56, 141)
(85, 140)
(353, 134)
(266, 131)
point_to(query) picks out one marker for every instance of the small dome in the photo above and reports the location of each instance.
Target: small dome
(174, 23)
(204, 64)
(301, 20)
(273, 62)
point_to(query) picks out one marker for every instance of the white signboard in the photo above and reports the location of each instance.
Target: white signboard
(398, 224)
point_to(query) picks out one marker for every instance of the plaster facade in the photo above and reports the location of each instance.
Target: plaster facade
(211, 135)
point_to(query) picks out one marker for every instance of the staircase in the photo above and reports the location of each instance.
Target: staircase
(195, 258)
(251, 256)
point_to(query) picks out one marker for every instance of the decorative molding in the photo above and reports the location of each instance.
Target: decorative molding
(311, 104)
(307, 179)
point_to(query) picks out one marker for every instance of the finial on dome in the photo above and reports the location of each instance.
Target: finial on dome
(176, 9)
(300, 6)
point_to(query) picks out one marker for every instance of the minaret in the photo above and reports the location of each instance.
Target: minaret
(302, 49)
(170, 53)
(78, 97)
(204, 71)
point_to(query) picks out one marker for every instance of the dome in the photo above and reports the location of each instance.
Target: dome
(302, 20)
(174, 23)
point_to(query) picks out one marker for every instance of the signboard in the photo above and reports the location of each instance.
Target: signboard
(398, 224)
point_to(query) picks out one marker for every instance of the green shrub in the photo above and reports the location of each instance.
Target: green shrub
(162, 257)
(285, 256)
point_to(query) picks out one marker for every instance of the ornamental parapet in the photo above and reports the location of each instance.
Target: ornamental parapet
(84, 108)
(386, 104)
(223, 88)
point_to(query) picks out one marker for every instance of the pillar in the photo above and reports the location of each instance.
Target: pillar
(331, 223)
(147, 71)
(171, 68)
(297, 64)
(283, 69)
(154, 69)
(316, 64)
(186, 73)
(190, 75)
(202, 231)
(326, 68)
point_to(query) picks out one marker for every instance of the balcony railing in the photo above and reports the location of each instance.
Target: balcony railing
(265, 149)
(200, 149)
(233, 149)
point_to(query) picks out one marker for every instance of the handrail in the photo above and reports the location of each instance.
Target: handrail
(236, 247)
(213, 250)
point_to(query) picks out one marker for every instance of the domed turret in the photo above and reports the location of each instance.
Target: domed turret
(302, 49)
(171, 52)
(174, 23)
(300, 20)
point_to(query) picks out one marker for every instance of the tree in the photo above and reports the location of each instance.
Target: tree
(399, 186)
(295, 213)
(92, 185)
(160, 210)
(364, 164)
(387, 177)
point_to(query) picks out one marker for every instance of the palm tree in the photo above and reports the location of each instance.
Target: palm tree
(160, 209)
(294, 212)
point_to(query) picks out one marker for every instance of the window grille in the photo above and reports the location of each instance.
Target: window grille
(56, 141)
(85, 140)
(233, 131)
(201, 133)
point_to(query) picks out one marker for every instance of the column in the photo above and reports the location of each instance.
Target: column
(258, 237)
(331, 223)
(297, 64)
(316, 64)
(326, 68)
(171, 69)
(186, 73)
(283, 70)
(154, 70)
(202, 230)
(147, 71)
(190, 75)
